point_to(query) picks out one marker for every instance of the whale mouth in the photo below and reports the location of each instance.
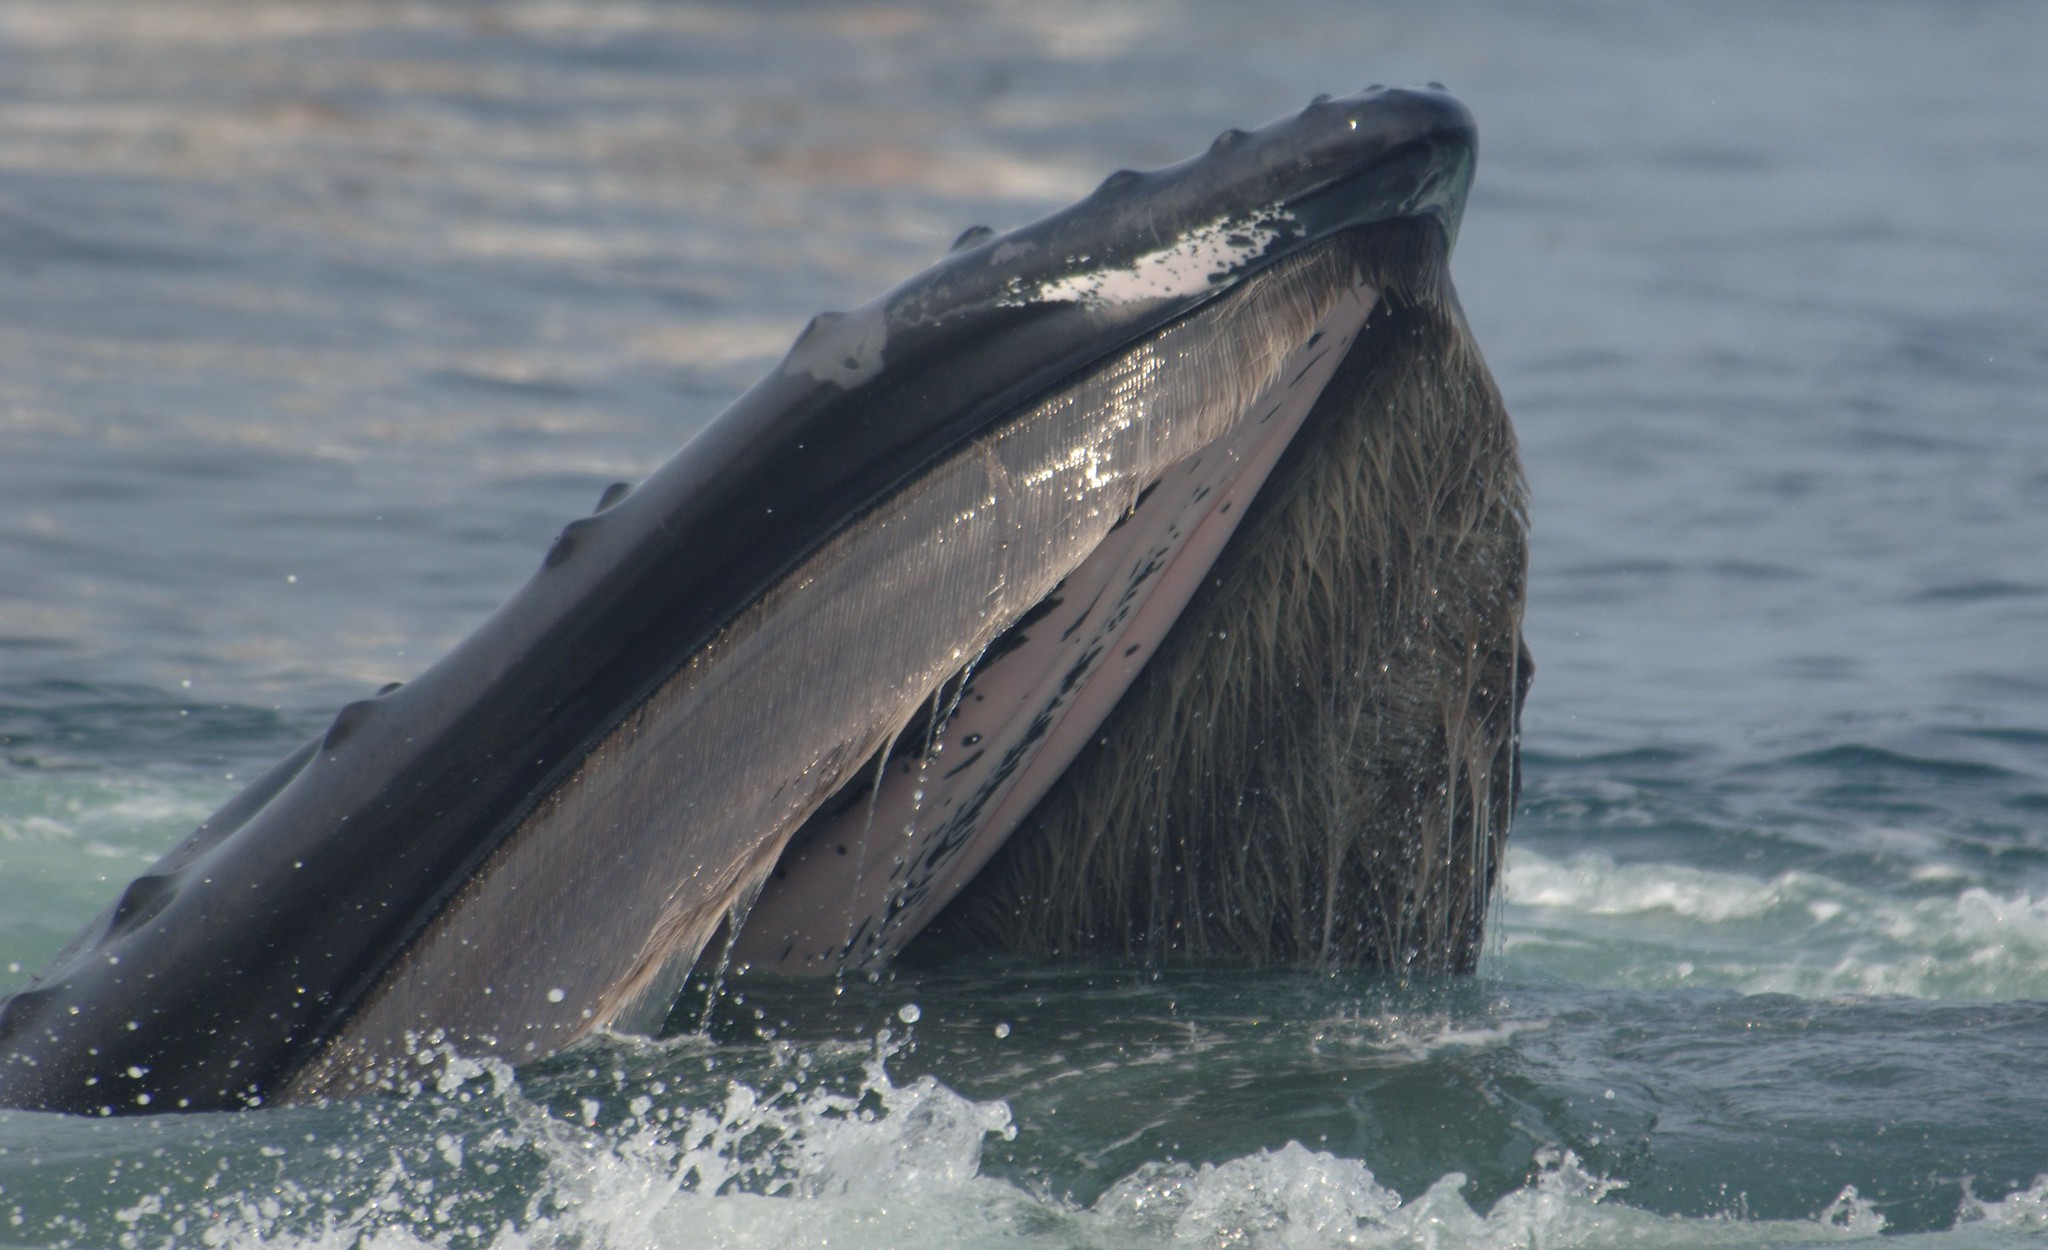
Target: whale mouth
(780, 703)
(1003, 601)
(907, 831)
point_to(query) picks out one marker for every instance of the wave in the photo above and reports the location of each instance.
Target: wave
(1587, 918)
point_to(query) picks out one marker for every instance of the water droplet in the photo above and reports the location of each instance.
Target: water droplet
(909, 1013)
(557, 995)
(1003, 1029)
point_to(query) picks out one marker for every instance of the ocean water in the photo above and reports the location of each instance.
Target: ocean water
(318, 319)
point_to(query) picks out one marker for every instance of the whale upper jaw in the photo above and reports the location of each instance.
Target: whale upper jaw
(497, 854)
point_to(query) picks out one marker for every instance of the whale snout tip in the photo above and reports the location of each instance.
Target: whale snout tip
(1360, 129)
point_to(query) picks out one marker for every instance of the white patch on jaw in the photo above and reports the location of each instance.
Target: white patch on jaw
(1187, 266)
(844, 349)
(1004, 253)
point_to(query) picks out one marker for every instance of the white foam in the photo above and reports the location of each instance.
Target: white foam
(2022, 1211)
(68, 842)
(1295, 1197)
(1289, 1196)
(1589, 919)
(132, 817)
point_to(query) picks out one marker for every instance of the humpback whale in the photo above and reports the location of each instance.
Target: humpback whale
(1145, 581)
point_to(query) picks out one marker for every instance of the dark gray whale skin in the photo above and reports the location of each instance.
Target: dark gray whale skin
(217, 973)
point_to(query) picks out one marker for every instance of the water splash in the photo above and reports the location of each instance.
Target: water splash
(821, 1146)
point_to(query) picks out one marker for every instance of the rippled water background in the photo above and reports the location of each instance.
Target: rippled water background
(318, 319)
